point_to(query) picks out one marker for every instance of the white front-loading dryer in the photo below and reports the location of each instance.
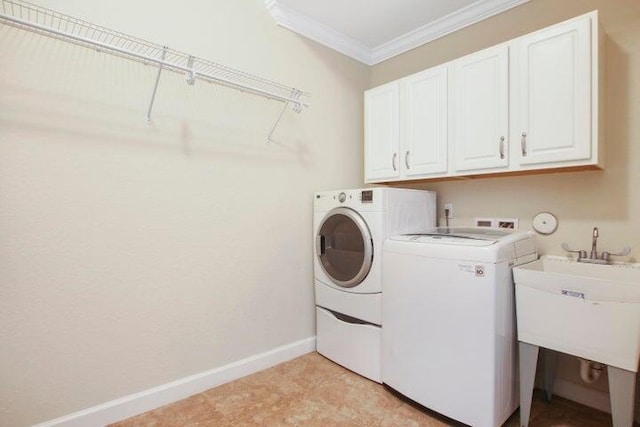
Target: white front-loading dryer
(349, 229)
(449, 332)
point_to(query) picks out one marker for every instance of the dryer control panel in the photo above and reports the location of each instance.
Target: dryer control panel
(366, 196)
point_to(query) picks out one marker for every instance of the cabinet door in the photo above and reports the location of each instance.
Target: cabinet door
(480, 123)
(381, 132)
(423, 122)
(553, 94)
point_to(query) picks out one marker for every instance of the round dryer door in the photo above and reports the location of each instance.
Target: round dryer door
(344, 247)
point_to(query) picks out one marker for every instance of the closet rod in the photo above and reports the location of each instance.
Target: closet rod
(145, 58)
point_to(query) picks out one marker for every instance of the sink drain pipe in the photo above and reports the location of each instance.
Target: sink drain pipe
(590, 371)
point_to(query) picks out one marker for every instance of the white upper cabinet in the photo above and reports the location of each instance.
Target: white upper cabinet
(552, 94)
(530, 103)
(406, 127)
(382, 132)
(480, 120)
(423, 122)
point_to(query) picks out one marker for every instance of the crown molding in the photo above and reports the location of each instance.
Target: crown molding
(455, 21)
(297, 22)
(314, 30)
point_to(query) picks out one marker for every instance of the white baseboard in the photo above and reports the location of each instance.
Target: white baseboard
(137, 403)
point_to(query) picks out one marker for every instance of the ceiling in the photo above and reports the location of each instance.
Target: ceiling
(372, 31)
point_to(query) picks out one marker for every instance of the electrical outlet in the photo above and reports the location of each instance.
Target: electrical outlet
(448, 207)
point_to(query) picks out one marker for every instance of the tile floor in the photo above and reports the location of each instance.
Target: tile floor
(313, 391)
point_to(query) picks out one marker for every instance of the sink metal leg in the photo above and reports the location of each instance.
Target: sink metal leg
(622, 387)
(550, 364)
(528, 362)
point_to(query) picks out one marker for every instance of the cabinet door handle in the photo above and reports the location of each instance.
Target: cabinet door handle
(393, 161)
(523, 144)
(406, 160)
(502, 147)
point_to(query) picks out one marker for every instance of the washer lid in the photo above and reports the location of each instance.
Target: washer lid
(468, 236)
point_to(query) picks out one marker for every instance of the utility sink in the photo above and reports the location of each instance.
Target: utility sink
(588, 310)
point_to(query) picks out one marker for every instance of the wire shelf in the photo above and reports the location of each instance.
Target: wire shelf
(44, 21)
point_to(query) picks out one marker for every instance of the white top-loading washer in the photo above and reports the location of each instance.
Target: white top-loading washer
(448, 334)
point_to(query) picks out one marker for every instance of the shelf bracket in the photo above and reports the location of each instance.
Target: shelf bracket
(275, 125)
(191, 74)
(295, 95)
(155, 87)
(296, 106)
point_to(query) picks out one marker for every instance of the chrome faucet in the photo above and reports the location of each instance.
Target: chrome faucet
(593, 258)
(594, 242)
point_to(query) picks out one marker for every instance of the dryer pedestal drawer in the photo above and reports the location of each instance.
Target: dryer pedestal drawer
(353, 345)
(367, 307)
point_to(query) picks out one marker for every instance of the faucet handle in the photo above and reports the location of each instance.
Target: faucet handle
(581, 254)
(625, 251)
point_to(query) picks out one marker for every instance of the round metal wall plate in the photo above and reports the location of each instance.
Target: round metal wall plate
(545, 223)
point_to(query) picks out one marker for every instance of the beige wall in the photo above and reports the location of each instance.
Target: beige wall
(134, 255)
(608, 199)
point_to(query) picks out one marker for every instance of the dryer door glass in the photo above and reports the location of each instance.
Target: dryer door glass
(344, 247)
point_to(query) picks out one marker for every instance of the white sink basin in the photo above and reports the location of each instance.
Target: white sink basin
(588, 310)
